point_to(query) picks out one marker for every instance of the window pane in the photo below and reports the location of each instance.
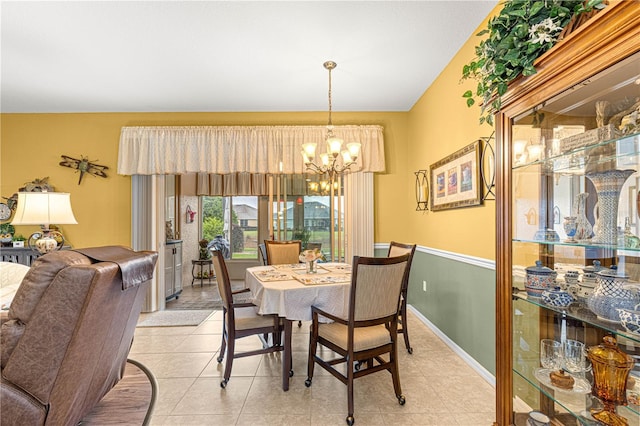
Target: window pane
(244, 228)
(306, 214)
(215, 225)
(230, 224)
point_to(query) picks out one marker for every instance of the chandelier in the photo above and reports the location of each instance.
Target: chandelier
(334, 161)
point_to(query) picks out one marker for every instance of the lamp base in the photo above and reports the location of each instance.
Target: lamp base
(46, 241)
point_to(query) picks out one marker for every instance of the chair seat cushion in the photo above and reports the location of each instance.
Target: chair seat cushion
(364, 337)
(248, 317)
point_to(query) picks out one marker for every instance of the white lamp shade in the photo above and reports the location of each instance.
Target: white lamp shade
(346, 157)
(324, 157)
(309, 149)
(44, 208)
(334, 145)
(354, 150)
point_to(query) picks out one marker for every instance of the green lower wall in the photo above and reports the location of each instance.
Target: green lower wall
(459, 301)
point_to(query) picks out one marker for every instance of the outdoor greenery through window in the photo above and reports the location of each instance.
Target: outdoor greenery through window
(232, 224)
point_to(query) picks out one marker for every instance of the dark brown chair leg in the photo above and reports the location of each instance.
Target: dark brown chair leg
(405, 331)
(350, 419)
(223, 345)
(313, 344)
(229, 363)
(396, 379)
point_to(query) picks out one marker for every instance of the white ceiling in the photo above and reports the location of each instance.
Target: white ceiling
(179, 56)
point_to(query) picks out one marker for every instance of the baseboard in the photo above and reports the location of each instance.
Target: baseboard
(478, 368)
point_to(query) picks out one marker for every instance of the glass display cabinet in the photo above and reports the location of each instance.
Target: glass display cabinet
(568, 252)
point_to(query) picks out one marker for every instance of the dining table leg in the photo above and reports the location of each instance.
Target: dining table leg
(287, 367)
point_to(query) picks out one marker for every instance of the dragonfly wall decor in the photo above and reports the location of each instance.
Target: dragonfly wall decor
(83, 165)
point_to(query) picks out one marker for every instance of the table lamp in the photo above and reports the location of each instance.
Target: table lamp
(44, 208)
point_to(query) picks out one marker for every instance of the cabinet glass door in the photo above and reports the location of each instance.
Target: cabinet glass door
(575, 183)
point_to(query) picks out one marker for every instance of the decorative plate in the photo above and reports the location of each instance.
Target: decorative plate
(580, 385)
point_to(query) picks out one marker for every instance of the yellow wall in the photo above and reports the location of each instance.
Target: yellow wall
(32, 145)
(440, 123)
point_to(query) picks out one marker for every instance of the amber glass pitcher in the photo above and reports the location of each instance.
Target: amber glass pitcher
(611, 368)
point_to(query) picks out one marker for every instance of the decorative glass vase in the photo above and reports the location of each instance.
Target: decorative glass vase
(608, 185)
(611, 369)
(570, 227)
(584, 229)
(627, 239)
(311, 267)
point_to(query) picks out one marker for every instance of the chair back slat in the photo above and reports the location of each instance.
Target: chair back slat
(283, 252)
(398, 249)
(222, 277)
(375, 287)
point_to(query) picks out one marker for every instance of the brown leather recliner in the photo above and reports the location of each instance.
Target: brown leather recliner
(65, 340)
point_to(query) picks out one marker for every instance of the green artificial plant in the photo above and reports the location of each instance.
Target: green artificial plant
(517, 36)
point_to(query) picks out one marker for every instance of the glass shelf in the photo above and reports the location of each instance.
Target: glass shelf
(625, 150)
(565, 400)
(566, 322)
(581, 312)
(582, 243)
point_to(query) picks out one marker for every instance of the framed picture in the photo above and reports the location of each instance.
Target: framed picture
(455, 179)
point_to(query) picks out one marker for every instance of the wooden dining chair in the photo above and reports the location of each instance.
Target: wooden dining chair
(241, 320)
(369, 330)
(263, 253)
(397, 249)
(283, 252)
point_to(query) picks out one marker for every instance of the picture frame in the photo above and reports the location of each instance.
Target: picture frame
(455, 180)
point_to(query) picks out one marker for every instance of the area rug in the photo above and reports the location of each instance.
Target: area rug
(206, 297)
(173, 318)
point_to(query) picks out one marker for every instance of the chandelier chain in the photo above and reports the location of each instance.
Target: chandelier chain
(330, 65)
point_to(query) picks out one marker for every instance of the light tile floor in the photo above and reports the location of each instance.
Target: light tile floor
(440, 388)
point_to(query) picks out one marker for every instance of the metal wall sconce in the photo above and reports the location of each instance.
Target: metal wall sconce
(422, 190)
(488, 169)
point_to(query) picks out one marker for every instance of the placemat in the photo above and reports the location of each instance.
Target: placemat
(267, 276)
(322, 279)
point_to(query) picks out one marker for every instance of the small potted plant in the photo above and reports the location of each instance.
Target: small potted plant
(204, 251)
(6, 233)
(18, 240)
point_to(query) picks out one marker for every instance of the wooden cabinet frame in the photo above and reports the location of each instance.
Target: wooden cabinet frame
(610, 36)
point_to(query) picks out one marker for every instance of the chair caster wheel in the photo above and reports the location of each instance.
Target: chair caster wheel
(410, 350)
(350, 420)
(219, 359)
(290, 373)
(307, 383)
(401, 400)
(223, 384)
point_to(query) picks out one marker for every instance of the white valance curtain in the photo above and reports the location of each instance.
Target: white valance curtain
(237, 149)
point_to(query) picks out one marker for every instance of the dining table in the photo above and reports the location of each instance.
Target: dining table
(289, 292)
